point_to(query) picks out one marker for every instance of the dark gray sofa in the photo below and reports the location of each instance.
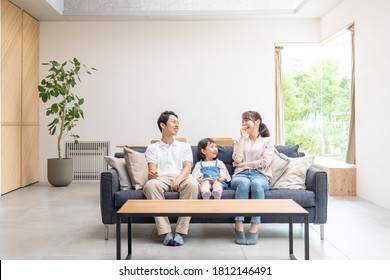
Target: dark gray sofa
(314, 198)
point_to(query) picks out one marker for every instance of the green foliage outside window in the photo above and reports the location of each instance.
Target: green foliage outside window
(317, 109)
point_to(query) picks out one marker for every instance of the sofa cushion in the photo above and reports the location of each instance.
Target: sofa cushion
(137, 167)
(225, 154)
(289, 150)
(119, 165)
(294, 177)
(278, 166)
(226, 194)
(122, 196)
(304, 198)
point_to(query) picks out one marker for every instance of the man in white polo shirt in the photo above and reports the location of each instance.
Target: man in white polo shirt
(170, 163)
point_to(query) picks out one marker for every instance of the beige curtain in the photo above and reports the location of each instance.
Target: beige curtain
(279, 102)
(351, 149)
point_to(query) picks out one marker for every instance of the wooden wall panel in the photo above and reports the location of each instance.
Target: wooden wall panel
(11, 61)
(10, 158)
(30, 155)
(19, 98)
(30, 74)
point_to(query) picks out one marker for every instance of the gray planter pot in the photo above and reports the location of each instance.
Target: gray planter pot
(60, 171)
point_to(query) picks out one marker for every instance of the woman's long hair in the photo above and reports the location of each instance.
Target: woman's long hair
(254, 116)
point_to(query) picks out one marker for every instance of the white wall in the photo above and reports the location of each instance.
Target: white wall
(372, 58)
(208, 72)
(0, 102)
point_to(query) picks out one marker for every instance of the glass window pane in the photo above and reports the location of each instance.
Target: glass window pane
(316, 89)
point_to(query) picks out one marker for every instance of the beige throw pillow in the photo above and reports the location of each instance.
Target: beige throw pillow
(294, 177)
(278, 166)
(137, 167)
(119, 165)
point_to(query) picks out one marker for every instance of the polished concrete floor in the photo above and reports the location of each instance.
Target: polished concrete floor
(41, 222)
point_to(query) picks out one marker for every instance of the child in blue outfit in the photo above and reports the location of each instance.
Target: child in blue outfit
(210, 172)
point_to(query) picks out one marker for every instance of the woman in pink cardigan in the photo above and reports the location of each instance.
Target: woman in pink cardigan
(252, 156)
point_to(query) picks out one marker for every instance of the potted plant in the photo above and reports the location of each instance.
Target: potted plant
(65, 109)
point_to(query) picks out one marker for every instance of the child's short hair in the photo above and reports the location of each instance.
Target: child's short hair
(202, 144)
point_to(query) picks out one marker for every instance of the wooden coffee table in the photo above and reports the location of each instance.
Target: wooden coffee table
(215, 208)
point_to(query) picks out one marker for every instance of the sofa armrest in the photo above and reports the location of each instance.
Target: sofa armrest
(109, 185)
(317, 181)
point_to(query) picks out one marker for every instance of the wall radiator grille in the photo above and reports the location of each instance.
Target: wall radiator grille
(88, 159)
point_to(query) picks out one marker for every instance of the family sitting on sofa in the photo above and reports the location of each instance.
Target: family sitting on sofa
(170, 164)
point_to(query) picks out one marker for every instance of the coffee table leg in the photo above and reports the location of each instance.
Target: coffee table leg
(129, 239)
(118, 237)
(290, 238)
(306, 237)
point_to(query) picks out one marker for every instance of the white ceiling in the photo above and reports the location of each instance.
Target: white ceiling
(92, 10)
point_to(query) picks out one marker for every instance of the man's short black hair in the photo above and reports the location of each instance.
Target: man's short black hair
(164, 116)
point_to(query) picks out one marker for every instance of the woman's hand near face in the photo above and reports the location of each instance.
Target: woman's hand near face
(243, 131)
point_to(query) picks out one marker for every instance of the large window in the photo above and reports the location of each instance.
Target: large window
(316, 89)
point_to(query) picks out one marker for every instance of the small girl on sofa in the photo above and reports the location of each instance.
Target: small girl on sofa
(210, 172)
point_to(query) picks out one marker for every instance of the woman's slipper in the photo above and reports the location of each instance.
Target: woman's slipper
(252, 238)
(240, 237)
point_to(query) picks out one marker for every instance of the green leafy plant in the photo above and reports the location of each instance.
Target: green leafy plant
(317, 109)
(66, 109)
